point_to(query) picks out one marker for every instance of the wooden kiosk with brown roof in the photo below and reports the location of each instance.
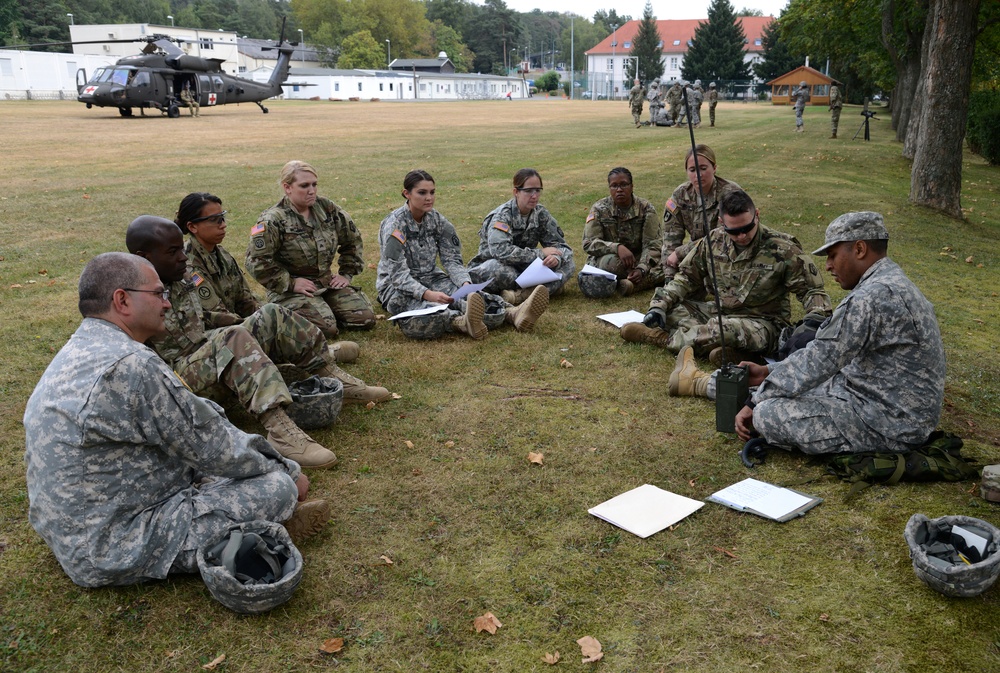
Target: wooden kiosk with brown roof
(819, 86)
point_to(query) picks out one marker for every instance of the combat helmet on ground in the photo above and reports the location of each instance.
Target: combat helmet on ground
(595, 285)
(316, 402)
(425, 327)
(946, 560)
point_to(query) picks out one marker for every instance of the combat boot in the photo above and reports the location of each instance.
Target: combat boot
(344, 351)
(471, 322)
(514, 296)
(308, 519)
(637, 333)
(524, 317)
(290, 441)
(833, 136)
(356, 391)
(625, 287)
(735, 356)
(687, 380)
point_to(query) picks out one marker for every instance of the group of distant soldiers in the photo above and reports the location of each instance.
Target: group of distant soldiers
(667, 105)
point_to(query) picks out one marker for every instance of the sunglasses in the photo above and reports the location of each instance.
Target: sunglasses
(745, 229)
(218, 218)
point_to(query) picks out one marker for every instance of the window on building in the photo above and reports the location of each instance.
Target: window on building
(205, 43)
(660, 45)
(757, 42)
(628, 45)
(295, 87)
(381, 86)
(390, 86)
(677, 43)
(611, 64)
(673, 63)
(423, 86)
(6, 67)
(359, 86)
(336, 86)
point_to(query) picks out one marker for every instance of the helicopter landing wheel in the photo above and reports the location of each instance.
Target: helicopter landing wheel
(173, 112)
(125, 111)
(264, 109)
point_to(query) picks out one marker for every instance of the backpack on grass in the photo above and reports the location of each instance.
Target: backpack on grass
(940, 459)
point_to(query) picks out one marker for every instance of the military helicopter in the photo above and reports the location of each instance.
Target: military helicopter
(155, 78)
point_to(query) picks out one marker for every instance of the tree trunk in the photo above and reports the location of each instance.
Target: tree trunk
(906, 60)
(912, 132)
(936, 178)
(903, 96)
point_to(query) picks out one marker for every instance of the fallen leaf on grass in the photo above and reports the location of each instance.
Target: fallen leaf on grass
(42, 272)
(332, 645)
(15, 285)
(396, 396)
(210, 666)
(487, 622)
(449, 444)
(86, 196)
(388, 561)
(408, 444)
(691, 483)
(551, 659)
(726, 552)
(535, 458)
(824, 617)
(370, 405)
(566, 364)
(968, 260)
(32, 282)
(590, 648)
(417, 472)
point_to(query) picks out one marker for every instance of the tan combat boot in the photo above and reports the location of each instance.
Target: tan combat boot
(471, 322)
(356, 391)
(637, 333)
(290, 441)
(687, 380)
(514, 297)
(344, 351)
(524, 317)
(734, 355)
(308, 519)
(625, 287)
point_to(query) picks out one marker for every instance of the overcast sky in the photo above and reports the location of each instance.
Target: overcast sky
(662, 9)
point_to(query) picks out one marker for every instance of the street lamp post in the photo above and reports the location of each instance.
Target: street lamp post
(70, 18)
(614, 43)
(171, 20)
(302, 45)
(388, 53)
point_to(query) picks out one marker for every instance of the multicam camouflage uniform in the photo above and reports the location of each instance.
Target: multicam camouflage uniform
(713, 101)
(836, 105)
(222, 290)
(636, 98)
(408, 265)
(508, 243)
(115, 448)
(285, 246)
(699, 99)
(872, 380)
(238, 358)
(682, 215)
(637, 228)
(675, 95)
(754, 284)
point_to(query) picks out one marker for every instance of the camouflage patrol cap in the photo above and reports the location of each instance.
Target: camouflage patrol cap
(595, 285)
(860, 226)
(957, 579)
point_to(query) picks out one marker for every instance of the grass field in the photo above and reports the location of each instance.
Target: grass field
(469, 524)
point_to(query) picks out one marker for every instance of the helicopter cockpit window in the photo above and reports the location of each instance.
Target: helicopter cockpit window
(217, 84)
(141, 78)
(120, 76)
(101, 75)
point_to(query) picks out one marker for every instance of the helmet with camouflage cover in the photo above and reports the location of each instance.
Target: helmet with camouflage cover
(316, 402)
(495, 316)
(425, 327)
(251, 567)
(711, 85)
(596, 286)
(934, 550)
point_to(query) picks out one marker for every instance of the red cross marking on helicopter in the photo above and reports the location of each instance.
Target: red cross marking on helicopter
(89, 90)
(211, 99)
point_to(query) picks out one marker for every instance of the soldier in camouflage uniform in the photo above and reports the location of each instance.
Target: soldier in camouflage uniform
(699, 99)
(757, 269)
(291, 253)
(412, 239)
(674, 98)
(694, 98)
(622, 235)
(871, 380)
(799, 97)
(713, 100)
(117, 448)
(836, 105)
(509, 240)
(636, 98)
(655, 98)
(682, 212)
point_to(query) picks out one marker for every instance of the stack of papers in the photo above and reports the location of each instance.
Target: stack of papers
(621, 319)
(766, 500)
(645, 510)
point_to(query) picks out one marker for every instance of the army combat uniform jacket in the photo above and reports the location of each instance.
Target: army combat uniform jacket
(114, 446)
(637, 228)
(875, 372)
(223, 289)
(682, 215)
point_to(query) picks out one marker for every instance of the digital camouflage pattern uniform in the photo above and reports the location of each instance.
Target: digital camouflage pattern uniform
(637, 228)
(285, 246)
(682, 215)
(754, 285)
(409, 266)
(694, 98)
(674, 98)
(872, 380)
(509, 242)
(223, 290)
(655, 98)
(713, 100)
(636, 98)
(836, 105)
(237, 358)
(699, 99)
(116, 446)
(799, 97)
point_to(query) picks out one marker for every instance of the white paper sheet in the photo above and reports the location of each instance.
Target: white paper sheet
(621, 319)
(536, 274)
(977, 542)
(420, 311)
(466, 290)
(587, 268)
(645, 510)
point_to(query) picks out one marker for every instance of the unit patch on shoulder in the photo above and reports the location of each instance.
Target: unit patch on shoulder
(257, 229)
(502, 226)
(399, 235)
(671, 206)
(205, 292)
(259, 243)
(197, 279)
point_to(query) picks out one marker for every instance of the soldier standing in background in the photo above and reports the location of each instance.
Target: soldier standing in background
(674, 101)
(799, 97)
(713, 100)
(636, 97)
(836, 103)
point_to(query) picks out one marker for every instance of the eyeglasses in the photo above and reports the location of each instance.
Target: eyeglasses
(745, 229)
(530, 190)
(163, 294)
(619, 186)
(218, 218)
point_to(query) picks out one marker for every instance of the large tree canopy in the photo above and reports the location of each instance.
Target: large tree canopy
(776, 60)
(717, 48)
(648, 56)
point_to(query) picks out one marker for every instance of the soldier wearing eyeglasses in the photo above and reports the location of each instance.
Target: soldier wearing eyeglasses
(757, 268)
